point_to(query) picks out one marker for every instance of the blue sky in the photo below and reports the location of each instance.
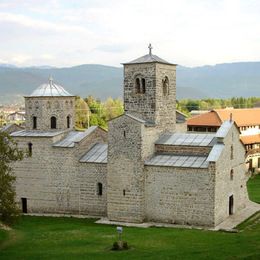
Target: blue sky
(187, 32)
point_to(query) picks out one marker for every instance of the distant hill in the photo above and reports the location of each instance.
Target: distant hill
(219, 81)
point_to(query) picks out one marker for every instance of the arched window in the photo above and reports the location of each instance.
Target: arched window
(34, 122)
(99, 189)
(53, 122)
(165, 83)
(137, 86)
(30, 149)
(68, 121)
(143, 85)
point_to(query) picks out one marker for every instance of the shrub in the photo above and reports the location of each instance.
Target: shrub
(120, 245)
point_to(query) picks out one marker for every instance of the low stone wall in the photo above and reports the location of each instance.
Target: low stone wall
(179, 195)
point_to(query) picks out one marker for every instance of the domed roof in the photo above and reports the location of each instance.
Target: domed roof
(50, 90)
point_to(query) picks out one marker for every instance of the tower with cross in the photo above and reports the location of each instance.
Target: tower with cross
(149, 100)
(150, 90)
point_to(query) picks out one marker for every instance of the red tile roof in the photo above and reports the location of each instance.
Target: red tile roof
(250, 139)
(242, 117)
(207, 119)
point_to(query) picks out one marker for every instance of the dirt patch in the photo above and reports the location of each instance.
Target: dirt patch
(5, 227)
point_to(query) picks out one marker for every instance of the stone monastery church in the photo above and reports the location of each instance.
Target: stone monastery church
(139, 170)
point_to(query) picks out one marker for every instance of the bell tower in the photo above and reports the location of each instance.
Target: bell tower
(150, 90)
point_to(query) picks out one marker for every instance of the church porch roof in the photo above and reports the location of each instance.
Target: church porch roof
(183, 161)
(74, 137)
(96, 154)
(187, 139)
(33, 133)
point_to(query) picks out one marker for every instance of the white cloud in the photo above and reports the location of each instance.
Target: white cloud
(188, 32)
(40, 24)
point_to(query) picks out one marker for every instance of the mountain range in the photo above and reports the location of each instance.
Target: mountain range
(218, 81)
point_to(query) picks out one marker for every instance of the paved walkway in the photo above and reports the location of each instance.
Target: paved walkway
(234, 220)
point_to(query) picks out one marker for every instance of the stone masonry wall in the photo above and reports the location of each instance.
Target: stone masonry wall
(125, 179)
(140, 105)
(53, 181)
(179, 195)
(153, 105)
(45, 107)
(190, 150)
(225, 186)
(166, 104)
(181, 127)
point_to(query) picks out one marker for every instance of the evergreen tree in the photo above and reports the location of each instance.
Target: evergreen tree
(9, 153)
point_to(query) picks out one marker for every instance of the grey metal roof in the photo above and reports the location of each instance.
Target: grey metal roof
(215, 152)
(97, 154)
(148, 59)
(136, 118)
(178, 161)
(224, 129)
(31, 133)
(7, 127)
(50, 90)
(188, 139)
(74, 137)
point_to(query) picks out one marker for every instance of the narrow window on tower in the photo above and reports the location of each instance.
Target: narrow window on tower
(231, 175)
(137, 86)
(53, 122)
(165, 85)
(68, 121)
(99, 189)
(30, 149)
(34, 122)
(143, 85)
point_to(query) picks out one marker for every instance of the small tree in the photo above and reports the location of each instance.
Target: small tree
(9, 153)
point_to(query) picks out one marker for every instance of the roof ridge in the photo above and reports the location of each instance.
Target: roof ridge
(221, 121)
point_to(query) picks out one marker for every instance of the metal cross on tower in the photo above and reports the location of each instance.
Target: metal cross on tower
(150, 49)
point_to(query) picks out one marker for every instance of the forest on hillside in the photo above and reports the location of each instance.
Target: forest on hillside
(187, 105)
(91, 111)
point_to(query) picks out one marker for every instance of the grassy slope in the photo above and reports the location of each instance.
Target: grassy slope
(253, 187)
(3, 235)
(52, 238)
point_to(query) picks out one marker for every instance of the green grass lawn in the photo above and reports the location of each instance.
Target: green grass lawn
(71, 238)
(3, 235)
(253, 186)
